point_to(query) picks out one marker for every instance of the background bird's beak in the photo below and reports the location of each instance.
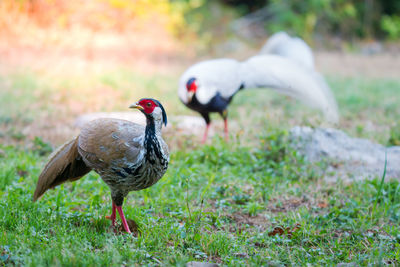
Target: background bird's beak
(139, 107)
(190, 95)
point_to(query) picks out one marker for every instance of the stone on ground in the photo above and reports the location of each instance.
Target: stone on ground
(348, 157)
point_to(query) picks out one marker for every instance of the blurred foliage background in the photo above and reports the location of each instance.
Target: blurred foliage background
(346, 18)
(201, 21)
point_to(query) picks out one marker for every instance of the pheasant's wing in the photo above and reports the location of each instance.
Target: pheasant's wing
(213, 76)
(108, 142)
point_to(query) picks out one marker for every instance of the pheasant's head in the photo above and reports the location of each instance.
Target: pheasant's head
(152, 109)
(191, 87)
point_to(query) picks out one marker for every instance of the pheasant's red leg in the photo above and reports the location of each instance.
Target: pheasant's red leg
(113, 214)
(205, 134)
(226, 129)
(124, 222)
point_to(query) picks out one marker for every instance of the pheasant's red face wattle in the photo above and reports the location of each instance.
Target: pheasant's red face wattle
(191, 85)
(148, 105)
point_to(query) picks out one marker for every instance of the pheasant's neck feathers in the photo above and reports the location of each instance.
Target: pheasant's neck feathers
(164, 114)
(152, 143)
(150, 128)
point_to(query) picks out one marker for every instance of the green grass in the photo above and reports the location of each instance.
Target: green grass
(217, 203)
(252, 201)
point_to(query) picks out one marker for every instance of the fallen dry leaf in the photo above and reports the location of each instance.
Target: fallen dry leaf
(279, 230)
(322, 204)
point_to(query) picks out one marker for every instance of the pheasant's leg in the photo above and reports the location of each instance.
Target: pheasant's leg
(124, 222)
(206, 117)
(226, 129)
(113, 214)
(205, 134)
(224, 115)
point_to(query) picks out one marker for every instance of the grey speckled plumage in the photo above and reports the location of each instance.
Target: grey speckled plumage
(120, 153)
(127, 156)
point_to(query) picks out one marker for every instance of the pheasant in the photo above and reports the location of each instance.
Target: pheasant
(127, 156)
(210, 86)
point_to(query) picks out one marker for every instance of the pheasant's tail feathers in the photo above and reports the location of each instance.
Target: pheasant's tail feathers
(289, 78)
(65, 164)
(331, 111)
(293, 48)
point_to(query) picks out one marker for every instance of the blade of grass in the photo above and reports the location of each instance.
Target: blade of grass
(378, 194)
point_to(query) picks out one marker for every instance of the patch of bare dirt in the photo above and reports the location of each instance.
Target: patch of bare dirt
(286, 205)
(133, 226)
(381, 65)
(243, 221)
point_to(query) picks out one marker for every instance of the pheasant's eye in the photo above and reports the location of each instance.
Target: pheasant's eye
(148, 104)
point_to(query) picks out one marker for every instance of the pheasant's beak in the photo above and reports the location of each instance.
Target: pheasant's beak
(139, 107)
(190, 95)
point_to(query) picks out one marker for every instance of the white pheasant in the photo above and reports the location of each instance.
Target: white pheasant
(209, 86)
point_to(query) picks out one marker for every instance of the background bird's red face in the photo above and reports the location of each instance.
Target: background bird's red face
(148, 105)
(191, 85)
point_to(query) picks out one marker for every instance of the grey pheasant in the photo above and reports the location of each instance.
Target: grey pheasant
(127, 156)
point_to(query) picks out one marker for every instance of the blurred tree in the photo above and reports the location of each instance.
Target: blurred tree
(391, 25)
(346, 18)
(390, 7)
(246, 6)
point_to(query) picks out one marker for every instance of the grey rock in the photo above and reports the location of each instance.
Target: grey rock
(190, 124)
(372, 48)
(346, 264)
(347, 157)
(201, 264)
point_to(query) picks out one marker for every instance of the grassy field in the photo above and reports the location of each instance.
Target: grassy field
(252, 201)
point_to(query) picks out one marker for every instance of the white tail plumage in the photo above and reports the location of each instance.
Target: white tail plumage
(287, 77)
(293, 48)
